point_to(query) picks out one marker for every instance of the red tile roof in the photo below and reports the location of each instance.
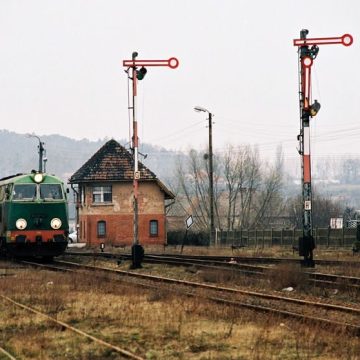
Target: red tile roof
(112, 162)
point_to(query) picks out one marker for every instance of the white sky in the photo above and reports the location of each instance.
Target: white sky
(61, 71)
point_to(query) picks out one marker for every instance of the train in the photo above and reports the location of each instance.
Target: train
(33, 216)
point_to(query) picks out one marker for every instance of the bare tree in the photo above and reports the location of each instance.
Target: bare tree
(193, 179)
(244, 190)
(294, 210)
(270, 202)
(324, 208)
(242, 176)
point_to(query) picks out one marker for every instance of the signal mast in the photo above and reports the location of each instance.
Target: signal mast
(308, 49)
(137, 251)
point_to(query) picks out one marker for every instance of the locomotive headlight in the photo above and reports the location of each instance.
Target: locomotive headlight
(21, 224)
(38, 178)
(56, 223)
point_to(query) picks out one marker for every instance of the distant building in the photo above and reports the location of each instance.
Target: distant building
(104, 186)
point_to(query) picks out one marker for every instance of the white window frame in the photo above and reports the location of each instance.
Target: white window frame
(101, 190)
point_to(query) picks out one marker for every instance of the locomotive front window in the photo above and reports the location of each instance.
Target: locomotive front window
(24, 192)
(51, 192)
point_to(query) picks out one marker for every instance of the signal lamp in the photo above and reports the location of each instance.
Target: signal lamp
(314, 108)
(141, 73)
(314, 51)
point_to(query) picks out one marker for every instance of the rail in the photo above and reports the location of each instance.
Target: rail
(123, 352)
(181, 286)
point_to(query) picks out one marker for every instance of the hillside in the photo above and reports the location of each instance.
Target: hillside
(65, 155)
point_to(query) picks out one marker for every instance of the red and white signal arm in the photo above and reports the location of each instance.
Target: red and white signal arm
(172, 63)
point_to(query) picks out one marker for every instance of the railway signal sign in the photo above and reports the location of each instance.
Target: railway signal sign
(189, 221)
(172, 63)
(308, 49)
(345, 40)
(137, 250)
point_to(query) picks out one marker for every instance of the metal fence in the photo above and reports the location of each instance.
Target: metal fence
(324, 237)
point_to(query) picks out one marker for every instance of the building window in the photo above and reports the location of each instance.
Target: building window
(102, 194)
(101, 228)
(154, 228)
(82, 194)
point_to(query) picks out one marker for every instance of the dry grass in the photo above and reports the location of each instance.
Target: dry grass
(281, 276)
(347, 270)
(288, 275)
(154, 324)
(217, 276)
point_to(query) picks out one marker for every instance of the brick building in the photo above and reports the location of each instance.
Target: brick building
(104, 186)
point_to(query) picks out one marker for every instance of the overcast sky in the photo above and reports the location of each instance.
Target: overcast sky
(61, 71)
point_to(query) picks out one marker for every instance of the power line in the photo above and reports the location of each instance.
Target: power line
(177, 133)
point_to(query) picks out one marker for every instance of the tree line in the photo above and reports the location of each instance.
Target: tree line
(249, 192)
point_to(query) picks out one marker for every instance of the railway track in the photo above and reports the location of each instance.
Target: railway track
(234, 264)
(261, 260)
(124, 353)
(303, 310)
(6, 353)
(315, 277)
(239, 259)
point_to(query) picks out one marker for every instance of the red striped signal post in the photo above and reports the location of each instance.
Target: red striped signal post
(137, 250)
(308, 49)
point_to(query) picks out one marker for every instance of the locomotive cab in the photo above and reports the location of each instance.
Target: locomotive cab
(34, 215)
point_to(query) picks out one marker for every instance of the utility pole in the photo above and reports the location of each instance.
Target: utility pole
(137, 250)
(211, 175)
(211, 182)
(307, 51)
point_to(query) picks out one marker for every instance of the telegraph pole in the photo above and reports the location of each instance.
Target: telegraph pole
(137, 250)
(211, 181)
(211, 175)
(308, 50)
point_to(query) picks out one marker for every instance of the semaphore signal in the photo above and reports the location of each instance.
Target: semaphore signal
(137, 250)
(308, 49)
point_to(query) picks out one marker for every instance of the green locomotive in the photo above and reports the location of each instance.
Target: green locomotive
(33, 215)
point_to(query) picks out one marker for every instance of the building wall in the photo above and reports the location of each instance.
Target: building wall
(119, 215)
(120, 230)
(150, 200)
